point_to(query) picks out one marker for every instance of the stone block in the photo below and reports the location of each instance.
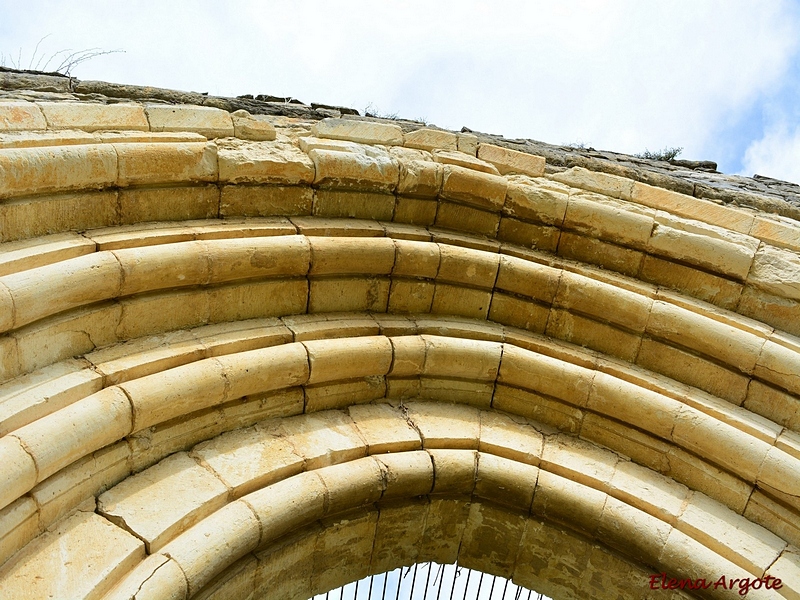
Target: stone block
(632, 531)
(467, 143)
(164, 266)
(93, 117)
(779, 363)
(363, 171)
(237, 581)
(597, 216)
(603, 254)
(461, 358)
(257, 299)
(775, 272)
(594, 181)
(245, 258)
(724, 342)
(160, 312)
(351, 255)
(51, 289)
(343, 544)
(363, 132)
(461, 159)
(526, 278)
(529, 235)
(781, 233)
(333, 360)
(773, 310)
(543, 374)
(506, 482)
(177, 392)
(384, 428)
(787, 569)
(42, 251)
(420, 178)
(518, 312)
(98, 554)
(717, 290)
(705, 477)
(398, 534)
(535, 202)
(214, 544)
(482, 190)
(634, 405)
(648, 491)
(564, 501)
(641, 447)
(467, 218)
(27, 171)
(139, 205)
(774, 404)
(352, 485)
(205, 120)
(265, 201)
(64, 336)
(538, 408)
(454, 471)
(693, 370)
(146, 164)
(353, 205)
(732, 536)
(431, 139)
(252, 127)
(444, 528)
(324, 438)
(406, 474)
(512, 161)
(18, 470)
(285, 567)
(445, 425)
(163, 501)
(692, 208)
(510, 437)
(264, 162)
(711, 248)
(467, 266)
(87, 425)
(21, 116)
(288, 505)
(348, 294)
(19, 524)
(325, 396)
(491, 540)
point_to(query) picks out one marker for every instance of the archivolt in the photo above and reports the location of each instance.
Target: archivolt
(452, 364)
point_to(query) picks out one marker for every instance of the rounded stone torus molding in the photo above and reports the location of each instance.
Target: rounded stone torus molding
(264, 355)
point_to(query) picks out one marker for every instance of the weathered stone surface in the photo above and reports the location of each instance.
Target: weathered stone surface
(249, 127)
(96, 551)
(163, 501)
(431, 139)
(93, 117)
(264, 162)
(363, 132)
(207, 121)
(21, 116)
(511, 161)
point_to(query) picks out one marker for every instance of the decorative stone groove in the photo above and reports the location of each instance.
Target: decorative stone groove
(247, 351)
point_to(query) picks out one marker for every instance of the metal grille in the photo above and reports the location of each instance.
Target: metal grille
(432, 581)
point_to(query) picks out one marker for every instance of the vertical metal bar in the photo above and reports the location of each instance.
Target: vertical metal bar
(480, 583)
(369, 592)
(413, 581)
(491, 591)
(427, 580)
(385, 578)
(466, 585)
(455, 575)
(441, 581)
(399, 583)
(505, 587)
(355, 592)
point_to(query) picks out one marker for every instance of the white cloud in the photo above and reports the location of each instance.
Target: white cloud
(775, 155)
(616, 74)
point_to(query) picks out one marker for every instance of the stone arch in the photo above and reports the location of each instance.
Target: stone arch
(286, 321)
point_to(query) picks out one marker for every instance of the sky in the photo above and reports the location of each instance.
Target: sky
(718, 78)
